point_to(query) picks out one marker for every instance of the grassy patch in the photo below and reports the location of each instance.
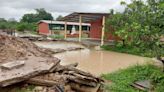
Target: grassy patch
(122, 79)
(129, 50)
(55, 36)
(26, 89)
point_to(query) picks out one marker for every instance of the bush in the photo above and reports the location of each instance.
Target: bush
(130, 50)
(26, 26)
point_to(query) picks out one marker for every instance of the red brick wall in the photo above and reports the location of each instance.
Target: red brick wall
(95, 30)
(43, 28)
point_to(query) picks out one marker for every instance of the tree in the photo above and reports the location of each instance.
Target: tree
(26, 27)
(59, 17)
(12, 20)
(29, 18)
(9, 25)
(41, 14)
(141, 25)
(3, 20)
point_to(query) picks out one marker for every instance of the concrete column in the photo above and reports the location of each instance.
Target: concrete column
(65, 30)
(103, 31)
(80, 27)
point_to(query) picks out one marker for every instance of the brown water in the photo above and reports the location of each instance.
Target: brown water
(96, 62)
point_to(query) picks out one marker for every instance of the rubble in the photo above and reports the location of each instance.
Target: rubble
(11, 65)
(41, 69)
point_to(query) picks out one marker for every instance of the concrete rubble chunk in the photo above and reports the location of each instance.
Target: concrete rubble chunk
(12, 65)
(23, 61)
(33, 67)
(143, 85)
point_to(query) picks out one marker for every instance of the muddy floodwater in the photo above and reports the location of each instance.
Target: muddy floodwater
(96, 62)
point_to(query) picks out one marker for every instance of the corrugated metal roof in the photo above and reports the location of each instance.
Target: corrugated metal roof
(86, 17)
(63, 22)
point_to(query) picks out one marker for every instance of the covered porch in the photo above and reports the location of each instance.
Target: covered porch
(96, 30)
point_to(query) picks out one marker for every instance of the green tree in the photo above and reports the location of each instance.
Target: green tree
(41, 14)
(29, 18)
(59, 17)
(26, 27)
(141, 25)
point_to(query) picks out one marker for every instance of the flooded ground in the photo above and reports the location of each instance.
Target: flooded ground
(57, 44)
(96, 62)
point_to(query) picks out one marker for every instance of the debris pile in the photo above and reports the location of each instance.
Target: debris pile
(12, 48)
(23, 61)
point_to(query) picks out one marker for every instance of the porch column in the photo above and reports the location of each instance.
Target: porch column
(80, 27)
(65, 30)
(103, 31)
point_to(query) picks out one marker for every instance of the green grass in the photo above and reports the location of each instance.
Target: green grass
(56, 36)
(129, 50)
(27, 89)
(122, 79)
(34, 32)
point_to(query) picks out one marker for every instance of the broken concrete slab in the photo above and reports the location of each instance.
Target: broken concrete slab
(73, 48)
(12, 65)
(143, 85)
(33, 67)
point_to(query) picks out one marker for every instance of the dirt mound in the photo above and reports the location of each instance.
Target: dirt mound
(12, 48)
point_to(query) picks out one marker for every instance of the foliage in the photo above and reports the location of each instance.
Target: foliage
(41, 14)
(26, 26)
(140, 25)
(59, 17)
(19, 26)
(4, 24)
(122, 79)
(129, 50)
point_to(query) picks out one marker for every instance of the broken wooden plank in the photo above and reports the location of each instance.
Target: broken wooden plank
(74, 79)
(41, 82)
(63, 68)
(48, 79)
(12, 65)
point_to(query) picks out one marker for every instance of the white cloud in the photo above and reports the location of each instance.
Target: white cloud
(17, 8)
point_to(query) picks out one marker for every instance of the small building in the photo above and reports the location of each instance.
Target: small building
(98, 24)
(48, 27)
(92, 24)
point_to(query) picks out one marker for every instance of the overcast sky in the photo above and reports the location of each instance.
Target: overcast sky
(17, 8)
